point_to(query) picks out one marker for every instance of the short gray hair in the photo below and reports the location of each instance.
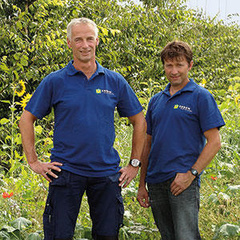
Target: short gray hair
(83, 20)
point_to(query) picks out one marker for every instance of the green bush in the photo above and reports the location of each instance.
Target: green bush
(33, 43)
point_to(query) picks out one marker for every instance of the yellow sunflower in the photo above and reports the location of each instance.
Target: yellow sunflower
(25, 100)
(20, 88)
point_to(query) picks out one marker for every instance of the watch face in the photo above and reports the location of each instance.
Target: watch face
(194, 172)
(135, 162)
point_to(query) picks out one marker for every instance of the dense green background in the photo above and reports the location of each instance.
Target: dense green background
(33, 44)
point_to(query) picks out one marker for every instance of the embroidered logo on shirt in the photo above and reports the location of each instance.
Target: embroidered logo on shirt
(98, 91)
(104, 91)
(176, 106)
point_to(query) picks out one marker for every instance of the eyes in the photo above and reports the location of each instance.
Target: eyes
(80, 40)
(178, 65)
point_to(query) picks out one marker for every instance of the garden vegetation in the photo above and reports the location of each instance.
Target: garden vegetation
(33, 44)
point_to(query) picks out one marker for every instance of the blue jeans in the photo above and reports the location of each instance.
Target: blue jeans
(64, 200)
(176, 216)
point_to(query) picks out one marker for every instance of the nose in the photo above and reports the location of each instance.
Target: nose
(174, 70)
(84, 44)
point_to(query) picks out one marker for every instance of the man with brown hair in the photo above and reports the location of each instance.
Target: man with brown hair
(179, 121)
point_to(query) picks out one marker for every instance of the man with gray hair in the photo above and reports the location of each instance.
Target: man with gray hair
(84, 96)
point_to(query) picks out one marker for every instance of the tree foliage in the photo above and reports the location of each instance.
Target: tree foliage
(33, 44)
(33, 40)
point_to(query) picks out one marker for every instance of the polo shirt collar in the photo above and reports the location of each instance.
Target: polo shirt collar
(100, 69)
(188, 88)
(71, 70)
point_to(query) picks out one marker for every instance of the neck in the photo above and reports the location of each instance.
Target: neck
(175, 88)
(88, 68)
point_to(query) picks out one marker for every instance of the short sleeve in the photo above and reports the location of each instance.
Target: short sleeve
(209, 114)
(40, 103)
(128, 103)
(149, 117)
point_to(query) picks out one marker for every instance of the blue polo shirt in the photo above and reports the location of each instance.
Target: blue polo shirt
(177, 124)
(84, 131)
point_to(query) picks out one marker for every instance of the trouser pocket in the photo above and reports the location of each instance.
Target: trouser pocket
(57, 189)
(120, 211)
(115, 179)
(48, 221)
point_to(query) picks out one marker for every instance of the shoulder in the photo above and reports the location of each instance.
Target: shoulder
(205, 101)
(196, 88)
(155, 99)
(202, 90)
(203, 93)
(54, 77)
(113, 75)
(116, 80)
(110, 73)
(57, 74)
(200, 93)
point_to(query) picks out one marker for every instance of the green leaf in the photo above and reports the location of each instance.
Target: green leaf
(17, 156)
(17, 56)
(224, 196)
(24, 62)
(6, 101)
(114, 31)
(103, 30)
(4, 235)
(38, 129)
(234, 188)
(21, 223)
(4, 121)
(4, 67)
(18, 140)
(227, 230)
(213, 198)
(9, 229)
(34, 236)
(16, 235)
(5, 146)
(19, 25)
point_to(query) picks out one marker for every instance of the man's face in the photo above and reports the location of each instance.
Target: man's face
(176, 70)
(83, 42)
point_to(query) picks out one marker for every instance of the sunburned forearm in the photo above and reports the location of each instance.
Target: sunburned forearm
(143, 173)
(26, 125)
(144, 159)
(138, 137)
(129, 172)
(142, 195)
(28, 140)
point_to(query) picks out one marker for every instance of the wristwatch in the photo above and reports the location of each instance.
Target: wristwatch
(194, 172)
(135, 162)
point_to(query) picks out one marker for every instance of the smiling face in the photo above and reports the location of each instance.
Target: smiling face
(83, 42)
(176, 70)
